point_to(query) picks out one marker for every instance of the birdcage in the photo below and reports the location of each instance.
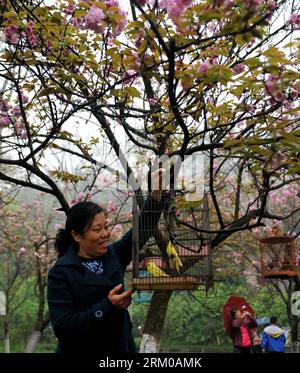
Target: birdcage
(177, 255)
(278, 257)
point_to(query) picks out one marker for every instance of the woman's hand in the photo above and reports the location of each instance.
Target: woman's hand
(121, 301)
(246, 313)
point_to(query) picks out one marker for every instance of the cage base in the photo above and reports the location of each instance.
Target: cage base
(283, 275)
(166, 283)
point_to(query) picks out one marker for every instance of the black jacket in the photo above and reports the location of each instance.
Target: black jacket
(82, 317)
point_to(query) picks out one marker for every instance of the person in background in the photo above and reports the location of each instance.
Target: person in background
(242, 323)
(273, 337)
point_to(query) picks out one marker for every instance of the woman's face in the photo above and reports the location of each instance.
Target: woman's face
(238, 314)
(94, 241)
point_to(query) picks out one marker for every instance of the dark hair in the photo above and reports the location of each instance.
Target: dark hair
(273, 320)
(79, 218)
(233, 312)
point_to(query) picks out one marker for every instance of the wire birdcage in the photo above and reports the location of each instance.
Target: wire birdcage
(175, 257)
(278, 257)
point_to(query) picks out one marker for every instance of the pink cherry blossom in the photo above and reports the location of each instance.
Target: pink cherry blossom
(30, 27)
(139, 39)
(19, 127)
(136, 61)
(277, 160)
(271, 78)
(70, 9)
(239, 68)
(294, 92)
(287, 193)
(25, 99)
(204, 67)
(4, 120)
(288, 105)
(24, 135)
(228, 180)
(271, 5)
(270, 86)
(122, 23)
(228, 4)
(111, 207)
(4, 106)
(32, 39)
(11, 35)
(117, 231)
(153, 101)
(16, 110)
(216, 164)
(294, 19)
(129, 76)
(175, 8)
(112, 3)
(94, 19)
(81, 197)
(78, 22)
(279, 96)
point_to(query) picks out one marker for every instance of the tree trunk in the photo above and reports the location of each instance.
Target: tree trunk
(293, 321)
(154, 322)
(42, 320)
(6, 335)
(36, 335)
(33, 341)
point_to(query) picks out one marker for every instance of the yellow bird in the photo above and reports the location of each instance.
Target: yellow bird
(174, 260)
(155, 271)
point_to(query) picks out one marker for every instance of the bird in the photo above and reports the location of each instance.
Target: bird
(155, 271)
(174, 260)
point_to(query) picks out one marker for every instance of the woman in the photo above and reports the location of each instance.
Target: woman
(86, 296)
(242, 325)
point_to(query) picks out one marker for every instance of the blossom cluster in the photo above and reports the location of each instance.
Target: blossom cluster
(98, 18)
(275, 89)
(81, 197)
(13, 34)
(294, 20)
(11, 115)
(175, 8)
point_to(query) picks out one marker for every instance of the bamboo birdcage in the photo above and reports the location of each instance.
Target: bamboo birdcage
(278, 257)
(194, 268)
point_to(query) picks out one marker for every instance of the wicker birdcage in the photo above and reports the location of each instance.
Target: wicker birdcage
(176, 257)
(278, 257)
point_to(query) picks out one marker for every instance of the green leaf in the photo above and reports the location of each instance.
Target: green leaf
(294, 170)
(218, 73)
(228, 144)
(290, 137)
(46, 91)
(79, 13)
(57, 18)
(132, 91)
(260, 150)
(253, 62)
(273, 52)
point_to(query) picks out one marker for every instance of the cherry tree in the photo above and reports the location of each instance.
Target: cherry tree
(179, 78)
(26, 249)
(240, 253)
